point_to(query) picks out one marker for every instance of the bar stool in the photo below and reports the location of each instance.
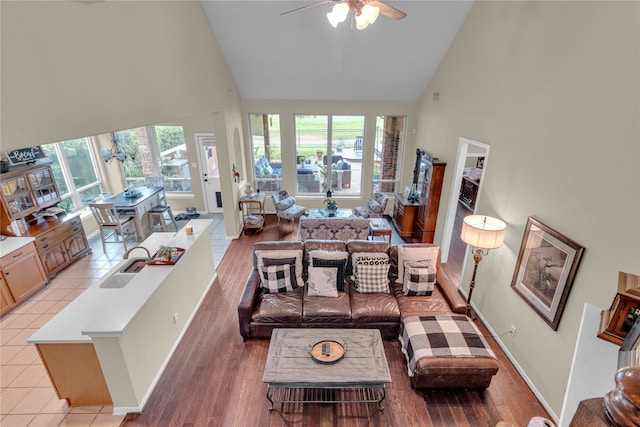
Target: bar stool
(158, 212)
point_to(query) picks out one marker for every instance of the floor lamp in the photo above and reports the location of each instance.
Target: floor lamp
(482, 233)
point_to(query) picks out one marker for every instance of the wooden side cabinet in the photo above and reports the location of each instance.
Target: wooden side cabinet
(61, 244)
(404, 215)
(429, 203)
(22, 273)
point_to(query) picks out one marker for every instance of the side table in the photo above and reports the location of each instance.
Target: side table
(253, 215)
(379, 227)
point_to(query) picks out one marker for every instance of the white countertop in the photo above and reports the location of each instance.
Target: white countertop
(107, 311)
(11, 244)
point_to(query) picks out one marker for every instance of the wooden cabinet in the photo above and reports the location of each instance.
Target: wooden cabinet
(25, 191)
(404, 215)
(6, 300)
(429, 202)
(62, 243)
(22, 274)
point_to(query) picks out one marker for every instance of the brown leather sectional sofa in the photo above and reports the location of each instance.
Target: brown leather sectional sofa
(259, 313)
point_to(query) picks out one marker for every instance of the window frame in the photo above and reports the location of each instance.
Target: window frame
(74, 191)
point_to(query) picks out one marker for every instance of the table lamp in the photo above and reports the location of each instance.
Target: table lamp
(482, 233)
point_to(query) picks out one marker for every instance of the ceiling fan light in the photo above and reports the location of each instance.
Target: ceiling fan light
(371, 12)
(341, 10)
(361, 21)
(333, 19)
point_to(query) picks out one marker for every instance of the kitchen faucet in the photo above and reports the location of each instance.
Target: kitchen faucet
(126, 254)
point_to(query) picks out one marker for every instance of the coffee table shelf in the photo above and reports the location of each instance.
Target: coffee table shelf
(293, 377)
(290, 396)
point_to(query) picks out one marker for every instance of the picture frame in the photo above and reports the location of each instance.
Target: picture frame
(545, 270)
(480, 163)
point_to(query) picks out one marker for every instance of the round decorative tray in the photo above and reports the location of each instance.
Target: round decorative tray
(327, 351)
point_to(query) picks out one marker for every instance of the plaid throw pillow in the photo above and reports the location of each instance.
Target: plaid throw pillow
(371, 272)
(419, 278)
(278, 278)
(274, 257)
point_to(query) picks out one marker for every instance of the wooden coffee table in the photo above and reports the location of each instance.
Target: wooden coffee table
(293, 376)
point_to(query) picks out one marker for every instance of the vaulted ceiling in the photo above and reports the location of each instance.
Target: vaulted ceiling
(301, 56)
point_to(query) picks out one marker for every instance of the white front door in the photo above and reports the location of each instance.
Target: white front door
(208, 156)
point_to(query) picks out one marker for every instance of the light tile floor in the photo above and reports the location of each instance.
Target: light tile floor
(26, 395)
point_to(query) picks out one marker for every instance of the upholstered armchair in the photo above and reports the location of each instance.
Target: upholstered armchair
(375, 207)
(286, 206)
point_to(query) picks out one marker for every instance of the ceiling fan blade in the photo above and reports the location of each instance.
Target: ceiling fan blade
(309, 6)
(388, 11)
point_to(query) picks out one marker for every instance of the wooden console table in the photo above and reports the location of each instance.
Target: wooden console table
(253, 215)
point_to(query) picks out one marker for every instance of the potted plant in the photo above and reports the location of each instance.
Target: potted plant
(332, 205)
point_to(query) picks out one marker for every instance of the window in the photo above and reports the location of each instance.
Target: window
(389, 141)
(329, 153)
(75, 171)
(160, 150)
(266, 151)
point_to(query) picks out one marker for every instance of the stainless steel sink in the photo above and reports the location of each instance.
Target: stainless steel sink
(134, 265)
(118, 280)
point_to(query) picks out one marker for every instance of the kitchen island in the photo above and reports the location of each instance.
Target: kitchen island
(111, 344)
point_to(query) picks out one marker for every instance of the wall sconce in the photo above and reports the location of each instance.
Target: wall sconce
(116, 152)
(481, 233)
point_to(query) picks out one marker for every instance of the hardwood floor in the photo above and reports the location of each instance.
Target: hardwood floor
(215, 378)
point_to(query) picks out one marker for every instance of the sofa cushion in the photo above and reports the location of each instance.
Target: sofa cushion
(374, 206)
(375, 307)
(278, 278)
(415, 253)
(286, 203)
(322, 282)
(419, 278)
(371, 271)
(281, 254)
(283, 308)
(326, 309)
(422, 305)
(331, 259)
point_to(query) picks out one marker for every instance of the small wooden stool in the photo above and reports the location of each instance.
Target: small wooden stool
(157, 212)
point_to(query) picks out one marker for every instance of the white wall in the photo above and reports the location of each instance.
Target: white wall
(73, 69)
(553, 88)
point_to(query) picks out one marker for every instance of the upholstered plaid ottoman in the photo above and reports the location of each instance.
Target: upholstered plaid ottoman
(446, 352)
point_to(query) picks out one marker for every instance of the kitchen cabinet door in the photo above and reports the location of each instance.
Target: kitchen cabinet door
(23, 272)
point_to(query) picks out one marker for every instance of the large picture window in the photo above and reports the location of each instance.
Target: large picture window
(75, 171)
(160, 151)
(329, 154)
(266, 151)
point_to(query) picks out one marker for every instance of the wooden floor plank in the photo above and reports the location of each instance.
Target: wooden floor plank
(215, 377)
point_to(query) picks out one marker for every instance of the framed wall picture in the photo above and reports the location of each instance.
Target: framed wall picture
(480, 163)
(545, 269)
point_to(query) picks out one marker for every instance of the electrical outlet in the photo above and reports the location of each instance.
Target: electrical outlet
(513, 331)
(175, 318)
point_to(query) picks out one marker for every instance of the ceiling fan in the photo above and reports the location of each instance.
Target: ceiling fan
(364, 11)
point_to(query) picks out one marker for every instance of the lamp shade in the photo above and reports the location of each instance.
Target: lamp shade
(483, 232)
